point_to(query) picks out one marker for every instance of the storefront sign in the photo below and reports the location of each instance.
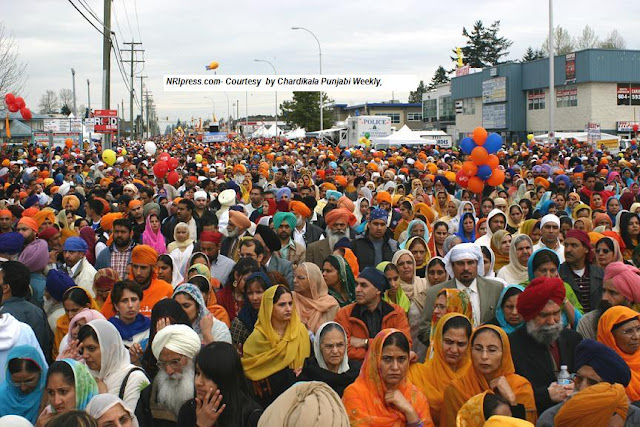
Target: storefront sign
(627, 126)
(570, 68)
(494, 90)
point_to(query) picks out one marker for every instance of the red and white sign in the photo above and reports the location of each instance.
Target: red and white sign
(627, 126)
(105, 121)
(105, 113)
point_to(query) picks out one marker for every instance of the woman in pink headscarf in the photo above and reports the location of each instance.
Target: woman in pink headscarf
(69, 344)
(152, 235)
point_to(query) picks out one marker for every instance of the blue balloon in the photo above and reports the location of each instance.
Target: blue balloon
(484, 171)
(467, 145)
(493, 143)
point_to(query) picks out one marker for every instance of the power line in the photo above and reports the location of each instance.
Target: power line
(135, 8)
(83, 15)
(88, 8)
(126, 15)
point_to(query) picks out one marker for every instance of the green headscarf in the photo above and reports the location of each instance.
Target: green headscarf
(346, 279)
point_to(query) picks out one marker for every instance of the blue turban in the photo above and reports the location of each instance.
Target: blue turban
(333, 194)
(284, 191)
(279, 217)
(31, 200)
(59, 179)
(11, 243)
(58, 283)
(231, 185)
(605, 361)
(564, 178)
(578, 169)
(75, 244)
(238, 208)
(378, 213)
(376, 277)
(343, 243)
(443, 180)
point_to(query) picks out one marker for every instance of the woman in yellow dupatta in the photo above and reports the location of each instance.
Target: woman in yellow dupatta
(279, 341)
(450, 359)
(378, 399)
(491, 368)
(449, 301)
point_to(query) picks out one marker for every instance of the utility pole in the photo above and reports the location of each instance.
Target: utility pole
(89, 95)
(147, 96)
(552, 91)
(133, 60)
(73, 78)
(106, 66)
(141, 107)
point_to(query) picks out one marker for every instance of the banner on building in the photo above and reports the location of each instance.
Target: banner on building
(570, 68)
(627, 126)
(494, 90)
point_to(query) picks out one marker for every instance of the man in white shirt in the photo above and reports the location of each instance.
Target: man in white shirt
(549, 231)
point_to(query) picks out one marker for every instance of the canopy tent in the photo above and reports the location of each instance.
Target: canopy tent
(578, 136)
(295, 134)
(404, 136)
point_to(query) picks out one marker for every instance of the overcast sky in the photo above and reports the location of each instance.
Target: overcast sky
(400, 36)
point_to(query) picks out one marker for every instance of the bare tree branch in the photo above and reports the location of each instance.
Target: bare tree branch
(12, 71)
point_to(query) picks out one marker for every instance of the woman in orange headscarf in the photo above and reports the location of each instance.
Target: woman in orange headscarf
(449, 360)
(618, 329)
(491, 369)
(381, 396)
(448, 301)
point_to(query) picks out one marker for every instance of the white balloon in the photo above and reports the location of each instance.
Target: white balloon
(120, 160)
(150, 147)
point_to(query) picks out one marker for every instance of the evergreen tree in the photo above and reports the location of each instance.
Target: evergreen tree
(484, 47)
(441, 76)
(415, 96)
(532, 54)
(304, 111)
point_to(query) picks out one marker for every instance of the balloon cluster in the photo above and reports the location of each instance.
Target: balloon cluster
(482, 166)
(14, 104)
(166, 166)
(364, 140)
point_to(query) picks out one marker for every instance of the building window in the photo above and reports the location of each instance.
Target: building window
(413, 117)
(468, 106)
(430, 110)
(628, 94)
(447, 109)
(395, 117)
(567, 97)
(535, 99)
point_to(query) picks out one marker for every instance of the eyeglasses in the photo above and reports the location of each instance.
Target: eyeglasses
(577, 378)
(173, 364)
(603, 251)
(124, 420)
(329, 347)
(28, 383)
(490, 350)
(631, 331)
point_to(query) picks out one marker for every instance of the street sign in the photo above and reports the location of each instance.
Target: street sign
(105, 121)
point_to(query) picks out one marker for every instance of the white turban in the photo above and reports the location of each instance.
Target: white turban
(550, 218)
(179, 338)
(64, 189)
(461, 252)
(200, 195)
(131, 187)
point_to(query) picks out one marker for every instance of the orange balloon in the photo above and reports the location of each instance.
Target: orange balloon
(476, 185)
(493, 161)
(470, 168)
(496, 178)
(480, 156)
(68, 142)
(479, 135)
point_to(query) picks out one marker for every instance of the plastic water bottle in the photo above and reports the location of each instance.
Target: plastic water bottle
(563, 376)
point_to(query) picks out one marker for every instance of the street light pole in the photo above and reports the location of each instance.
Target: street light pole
(274, 72)
(320, 56)
(73, 77)
(214, 108)
(552, 91)
(228, 113)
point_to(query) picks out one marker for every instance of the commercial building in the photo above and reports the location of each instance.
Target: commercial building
(401, 114)
(600, 87)
(438, 109)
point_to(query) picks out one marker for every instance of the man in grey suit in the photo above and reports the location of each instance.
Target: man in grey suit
(271, 261)
(464, 263)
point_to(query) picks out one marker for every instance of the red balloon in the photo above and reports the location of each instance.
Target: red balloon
(9, 98)
(160, 169)
(164, 157)
(20, 103)
(496, 178)
(26, 113)
(173, 163)
(462, 179)
(480, 156)
(173, 177)
(476, 185)
(12, 107)
(635, 128)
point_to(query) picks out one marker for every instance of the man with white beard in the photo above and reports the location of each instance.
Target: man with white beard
(544, 345)
(175, 347)
(339, 221)
(239, 225)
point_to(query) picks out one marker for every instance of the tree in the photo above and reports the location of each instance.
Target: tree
(441, 76)
(484, 47)
(167, 130)
(65, 110)
(588, 39)
(66, 99)
(415, 96)
(304, 111)
(613, 41)
(532, 54)
(563, 42)
(49, 103)
(12, 71)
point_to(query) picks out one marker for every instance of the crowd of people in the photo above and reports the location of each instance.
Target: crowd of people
(273, 282)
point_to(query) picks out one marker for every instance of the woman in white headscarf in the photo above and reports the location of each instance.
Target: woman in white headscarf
(516, 271)
(463, 207)
(107, 407)
(181, 247)
(489, 262)
(108, 360)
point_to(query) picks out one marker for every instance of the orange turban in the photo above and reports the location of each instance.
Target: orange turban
(42, 215)
(300, 208)
(134, 204)
(30, 212)
(383, 196)
(340, 214)
(424, 209)
(144, 254)
(342, 181)
(107, 221)
(29, 222)
(328, 186)
(239, 219)
(345, 202)
(6, 212)
(594, 406)
(540, 181)
(373, 166)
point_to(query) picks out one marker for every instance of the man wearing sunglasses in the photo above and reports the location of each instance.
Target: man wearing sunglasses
(595, 363)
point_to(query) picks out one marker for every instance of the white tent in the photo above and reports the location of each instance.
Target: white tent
(295, 134)
(404, 136)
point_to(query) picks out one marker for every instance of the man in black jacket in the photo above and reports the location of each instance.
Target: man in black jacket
(578, 270)
(376, 245)
(541, 347)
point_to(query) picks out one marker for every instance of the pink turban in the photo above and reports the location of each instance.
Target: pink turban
(626, 279)
(35, 255)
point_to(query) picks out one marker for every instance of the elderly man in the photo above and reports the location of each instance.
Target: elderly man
(596, 363)
(226, 198)
(465, 265)
(175, 347)
(338, 223)
(584, 277)
(284, 223)
(238, 226)
(549, 231)
(376, 245)
(369, 315)
(76, 264)
(143, 272)
(35, 256)
(539, 349)
(305, 232)
(620, 286)
(497, 220)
